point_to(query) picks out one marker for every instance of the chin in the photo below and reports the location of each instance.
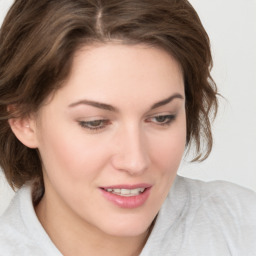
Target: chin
(128, 227)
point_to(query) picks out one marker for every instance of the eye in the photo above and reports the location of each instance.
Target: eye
(94, 124)
(162, 119)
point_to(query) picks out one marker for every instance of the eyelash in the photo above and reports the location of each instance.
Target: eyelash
(167, 119)
(102, 123)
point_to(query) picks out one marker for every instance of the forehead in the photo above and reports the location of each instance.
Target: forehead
(120, 73)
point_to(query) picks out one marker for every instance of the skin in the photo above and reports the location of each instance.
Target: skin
(133, 145)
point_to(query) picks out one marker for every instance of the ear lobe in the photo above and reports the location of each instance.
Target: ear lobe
(24, 130)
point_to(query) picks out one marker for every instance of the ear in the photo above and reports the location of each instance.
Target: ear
(25, 130)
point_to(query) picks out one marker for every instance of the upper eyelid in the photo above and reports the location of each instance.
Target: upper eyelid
(106, 122)
(163, 113)
(88, 125)
(93, 119)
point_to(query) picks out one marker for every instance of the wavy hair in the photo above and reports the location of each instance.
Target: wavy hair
(38, 40)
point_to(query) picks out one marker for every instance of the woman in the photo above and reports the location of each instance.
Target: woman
(99, 101)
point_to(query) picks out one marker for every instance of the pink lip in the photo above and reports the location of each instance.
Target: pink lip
(125, 186)
(127, 202)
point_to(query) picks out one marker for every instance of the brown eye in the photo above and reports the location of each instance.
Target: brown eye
(94, 124)
(162, 119)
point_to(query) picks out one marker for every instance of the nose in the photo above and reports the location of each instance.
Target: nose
(131, 154)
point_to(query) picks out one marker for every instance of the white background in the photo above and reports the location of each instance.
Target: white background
(231, 25)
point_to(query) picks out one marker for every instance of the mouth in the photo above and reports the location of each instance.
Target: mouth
(126, 196)
(125, 192)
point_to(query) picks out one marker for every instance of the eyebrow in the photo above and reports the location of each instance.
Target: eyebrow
(94, 104)
(167, 100)
(114, 109)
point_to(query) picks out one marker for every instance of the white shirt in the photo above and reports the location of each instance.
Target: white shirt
(197, 218)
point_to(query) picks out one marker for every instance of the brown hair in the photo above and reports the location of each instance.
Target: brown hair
(39, 38)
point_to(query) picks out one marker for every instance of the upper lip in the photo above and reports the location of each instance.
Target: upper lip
(128, 186)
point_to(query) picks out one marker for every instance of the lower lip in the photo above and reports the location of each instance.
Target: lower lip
(127, 202)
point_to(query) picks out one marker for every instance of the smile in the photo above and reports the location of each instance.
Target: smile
(126, 192)
(127, 196)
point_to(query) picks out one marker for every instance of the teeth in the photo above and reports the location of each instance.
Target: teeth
(126, 192)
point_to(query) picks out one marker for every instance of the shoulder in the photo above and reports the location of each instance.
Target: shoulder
(218, 198)
(13, 241)
(13, 236)
(20, 231)
(219, 193)
(205, 218)
(208, 218)
(223, 213)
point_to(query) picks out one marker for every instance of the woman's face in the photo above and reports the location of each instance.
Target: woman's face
(111, 139)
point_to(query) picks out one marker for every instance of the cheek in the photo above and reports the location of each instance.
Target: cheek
(166, 154)
(168, 150)
(68, 154)
(167, 160)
